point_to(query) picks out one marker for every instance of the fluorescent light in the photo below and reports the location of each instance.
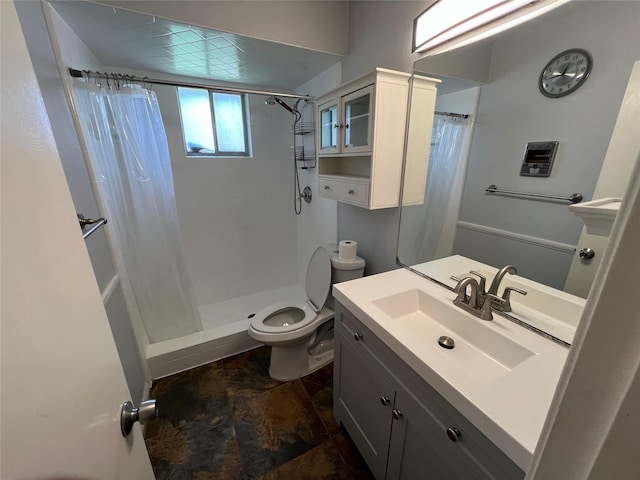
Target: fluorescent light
(449, 24)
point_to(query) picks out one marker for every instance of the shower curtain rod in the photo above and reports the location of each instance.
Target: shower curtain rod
(449, 114)
(157, 81)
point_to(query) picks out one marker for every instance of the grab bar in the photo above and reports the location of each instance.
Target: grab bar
(95, 224)
(573, 198)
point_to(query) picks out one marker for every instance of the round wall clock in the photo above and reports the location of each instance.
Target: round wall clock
(565, 73)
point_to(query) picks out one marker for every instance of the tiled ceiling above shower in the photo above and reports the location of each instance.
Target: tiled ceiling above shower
(128, 40)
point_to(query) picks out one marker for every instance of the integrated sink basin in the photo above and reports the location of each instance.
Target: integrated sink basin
(481, 351)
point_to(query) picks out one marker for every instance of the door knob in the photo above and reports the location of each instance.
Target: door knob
(130, 415)
(587, 253)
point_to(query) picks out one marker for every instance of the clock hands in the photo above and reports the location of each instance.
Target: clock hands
(556, 74)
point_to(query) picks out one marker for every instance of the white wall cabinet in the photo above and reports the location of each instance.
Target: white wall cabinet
(402, 427)
(361, 139)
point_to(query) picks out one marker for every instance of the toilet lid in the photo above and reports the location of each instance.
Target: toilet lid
(318, 282)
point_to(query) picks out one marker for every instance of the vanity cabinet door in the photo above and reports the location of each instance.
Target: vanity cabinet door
(363, 402)
(420, 447)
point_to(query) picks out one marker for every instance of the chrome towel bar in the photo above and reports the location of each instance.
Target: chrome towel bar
(85, 222)
(573, 198)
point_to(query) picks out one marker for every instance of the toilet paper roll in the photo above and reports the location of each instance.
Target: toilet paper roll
(347, 250)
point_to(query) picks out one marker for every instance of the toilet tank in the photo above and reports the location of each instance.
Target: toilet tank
(343, 270)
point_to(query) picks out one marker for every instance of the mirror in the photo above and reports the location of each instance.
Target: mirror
(495, 83)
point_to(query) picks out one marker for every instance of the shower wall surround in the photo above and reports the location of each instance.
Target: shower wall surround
(236, 214)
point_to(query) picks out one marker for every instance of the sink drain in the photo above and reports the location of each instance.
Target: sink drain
(446, 342)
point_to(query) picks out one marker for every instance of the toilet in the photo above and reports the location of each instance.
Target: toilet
(300, 331)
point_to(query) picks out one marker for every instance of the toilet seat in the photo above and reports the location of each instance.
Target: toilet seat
(281, 308)
(303, 313)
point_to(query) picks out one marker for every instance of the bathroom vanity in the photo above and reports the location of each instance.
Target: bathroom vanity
(416, 409)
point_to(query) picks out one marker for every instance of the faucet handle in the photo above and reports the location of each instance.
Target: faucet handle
(507, 292)
(506, 296)
(482, 284)
(489, 301)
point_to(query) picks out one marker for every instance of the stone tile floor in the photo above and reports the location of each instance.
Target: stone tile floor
(230, 420)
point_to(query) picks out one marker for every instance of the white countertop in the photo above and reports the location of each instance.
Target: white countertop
(510, 410)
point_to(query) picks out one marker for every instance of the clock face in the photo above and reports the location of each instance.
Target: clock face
(565, 73)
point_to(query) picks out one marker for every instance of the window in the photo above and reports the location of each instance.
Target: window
(214, 123)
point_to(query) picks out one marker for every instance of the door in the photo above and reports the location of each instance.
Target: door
(363, 401)
(358, 121)
(420, 447)
(329, 122)
(621, 156)
(62, 383)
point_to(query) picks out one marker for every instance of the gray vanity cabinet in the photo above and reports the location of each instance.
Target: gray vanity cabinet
(402, 427)
(361, 403)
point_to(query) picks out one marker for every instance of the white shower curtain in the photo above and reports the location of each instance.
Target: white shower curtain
(129, 156)
(437, 220)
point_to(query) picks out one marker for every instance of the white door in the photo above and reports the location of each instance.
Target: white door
(61, 380)
(621, 156)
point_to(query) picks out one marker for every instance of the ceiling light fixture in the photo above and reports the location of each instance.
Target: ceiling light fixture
(449, 24)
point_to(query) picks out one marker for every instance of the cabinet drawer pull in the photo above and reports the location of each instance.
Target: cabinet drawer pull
(327, 187)
(351, 192)
(396, 414)
(453, 433)
(384, 400)
(357, 336)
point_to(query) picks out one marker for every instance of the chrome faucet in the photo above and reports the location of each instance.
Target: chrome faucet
(493, 289)
(481, 302)
(464, 301)
(505, 305)
(490, 301)
(471, 303)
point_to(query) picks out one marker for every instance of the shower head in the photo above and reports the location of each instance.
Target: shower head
(274, 100)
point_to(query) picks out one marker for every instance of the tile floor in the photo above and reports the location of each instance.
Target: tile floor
(230, 420)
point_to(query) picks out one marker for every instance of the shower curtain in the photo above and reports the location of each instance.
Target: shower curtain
(129, 158)
(436, 230)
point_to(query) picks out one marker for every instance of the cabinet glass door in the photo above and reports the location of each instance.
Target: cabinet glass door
(357, 119)
(329, 127)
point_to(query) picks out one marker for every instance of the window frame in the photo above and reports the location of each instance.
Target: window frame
(244, 99)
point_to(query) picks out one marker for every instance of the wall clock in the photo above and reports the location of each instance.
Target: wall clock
(565, 73)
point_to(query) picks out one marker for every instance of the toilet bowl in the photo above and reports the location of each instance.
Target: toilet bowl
(300, 332)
